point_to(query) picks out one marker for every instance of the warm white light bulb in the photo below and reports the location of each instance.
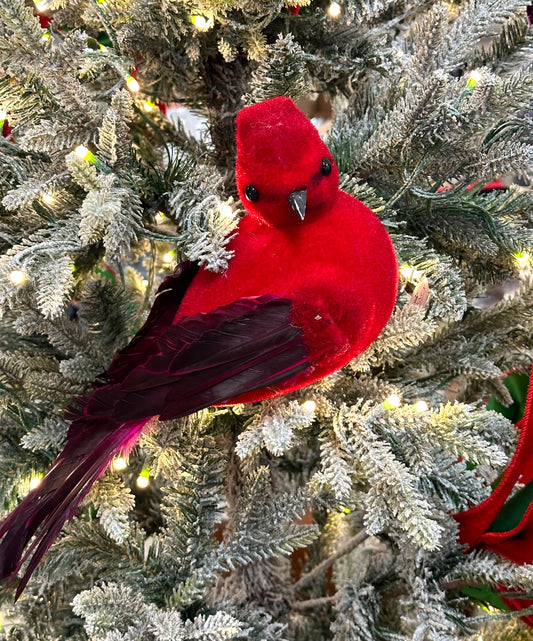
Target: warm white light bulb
(143, 481)
(201, 22)
(168, 257)
(226, 210)
(144, 282)
(48, 198)
(132, 84)
(17, 277)
(334, 9)
(410, 273)
(160, 217)
(309, 406)
(120, 464)
(393, 400)
(421, 406)
(522, 259)
(3, 114)
(42, 5)
(474, 77)
(35, 482)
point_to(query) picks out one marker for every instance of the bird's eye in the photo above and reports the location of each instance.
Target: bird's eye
(252, 193)
(326, 167)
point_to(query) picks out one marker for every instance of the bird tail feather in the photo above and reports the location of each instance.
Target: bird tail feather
(91, 445)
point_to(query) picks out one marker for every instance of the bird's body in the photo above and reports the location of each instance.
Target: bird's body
(335, 309)
(312, 282)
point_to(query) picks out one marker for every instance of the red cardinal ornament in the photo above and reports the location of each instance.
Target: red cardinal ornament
(311, 284)
(503, 525)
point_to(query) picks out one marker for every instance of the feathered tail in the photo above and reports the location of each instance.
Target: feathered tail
(90, 447)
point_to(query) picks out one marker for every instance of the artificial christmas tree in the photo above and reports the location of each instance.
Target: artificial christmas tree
(195, 533)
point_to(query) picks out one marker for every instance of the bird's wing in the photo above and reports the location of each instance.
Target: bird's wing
(202, 360)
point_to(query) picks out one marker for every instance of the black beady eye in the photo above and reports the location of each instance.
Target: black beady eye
(252, 193)
(326, 167)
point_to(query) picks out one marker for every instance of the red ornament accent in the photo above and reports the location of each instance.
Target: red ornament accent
(491, 186)
(295, 10)
(6, 131)
(481, 525)
(45, 21)
(494, 185)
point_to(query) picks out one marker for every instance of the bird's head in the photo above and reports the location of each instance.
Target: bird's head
(285, 173)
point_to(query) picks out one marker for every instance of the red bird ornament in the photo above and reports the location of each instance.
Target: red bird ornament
(312, 282)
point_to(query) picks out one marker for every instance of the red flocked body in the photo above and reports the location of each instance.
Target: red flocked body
(337, 266)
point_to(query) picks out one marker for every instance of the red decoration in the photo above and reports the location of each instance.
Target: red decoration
(340, 242)
(494, 185)
(506, 526)
(295, 10)
(6, 130)
(491, 186)
(45, 21)
(312, 282)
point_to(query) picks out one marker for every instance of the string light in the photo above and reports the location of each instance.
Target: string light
(168, 257)
(46, 36)
(225, 210)
(522, 259)
(421, 406)
(334, 9)
(144, 283)
(160, 217)
(35, 482)
(201, 22)
(149, 105)
(82, 152)
(3, 115)
(474, 77)
(17, 277)
(120, 464)
(393, 400)
(42, 5)
(309, 406)
(48, 198)
(143, 480)
(410, 273)
(132, 84)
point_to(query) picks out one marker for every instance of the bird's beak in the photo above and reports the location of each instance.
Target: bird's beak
(297, 201)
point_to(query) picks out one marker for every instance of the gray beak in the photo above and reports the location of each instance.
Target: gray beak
(297, 201)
